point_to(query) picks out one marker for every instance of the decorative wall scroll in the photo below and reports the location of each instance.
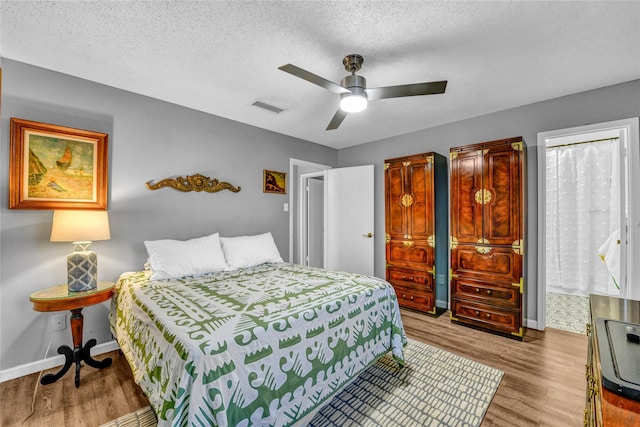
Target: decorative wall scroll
(56, 167)
(274, 182)
(195, 182)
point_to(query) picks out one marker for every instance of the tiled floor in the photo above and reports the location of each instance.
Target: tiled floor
(567, 312)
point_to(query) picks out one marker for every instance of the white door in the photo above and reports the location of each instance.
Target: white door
(349, 219)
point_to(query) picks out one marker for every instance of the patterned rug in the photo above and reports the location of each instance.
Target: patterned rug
(436, 388)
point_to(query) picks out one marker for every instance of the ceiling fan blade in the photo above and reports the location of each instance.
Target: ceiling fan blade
(313, 78)
(415, 89)
(336, 120)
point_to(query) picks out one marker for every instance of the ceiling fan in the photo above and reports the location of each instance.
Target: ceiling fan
(353, 91)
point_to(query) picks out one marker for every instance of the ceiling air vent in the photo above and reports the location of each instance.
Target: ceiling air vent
(268, 107)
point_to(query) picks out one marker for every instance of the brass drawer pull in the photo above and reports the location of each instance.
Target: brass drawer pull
(408, 244)
(488, 315)
(477, 313)
(483, 250)
(410, 278)
(488, 291)
(477, 290)
(404, 296)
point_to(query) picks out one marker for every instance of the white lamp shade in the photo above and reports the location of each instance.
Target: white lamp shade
(353, 103)
(76, 226)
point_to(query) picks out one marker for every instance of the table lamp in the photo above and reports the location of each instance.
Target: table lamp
(81, 227)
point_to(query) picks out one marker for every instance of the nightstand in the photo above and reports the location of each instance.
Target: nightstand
(58, 298)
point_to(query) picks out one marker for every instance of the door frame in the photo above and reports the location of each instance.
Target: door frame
(303, 231)
(629, 130)
(296, 168)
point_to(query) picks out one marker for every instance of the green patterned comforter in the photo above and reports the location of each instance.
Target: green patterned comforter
(267, 345)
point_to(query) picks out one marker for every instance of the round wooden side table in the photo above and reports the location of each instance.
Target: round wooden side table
(59, 298)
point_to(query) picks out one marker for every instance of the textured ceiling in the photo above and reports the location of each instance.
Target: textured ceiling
(220, 57)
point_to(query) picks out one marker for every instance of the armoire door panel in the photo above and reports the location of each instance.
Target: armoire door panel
(481, 261)
(409, 253)
(466, 181)
(420, 176)
(395, 215)
(501, 225)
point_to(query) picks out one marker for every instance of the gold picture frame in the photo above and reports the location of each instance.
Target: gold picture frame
(56, 167)
(274, 182)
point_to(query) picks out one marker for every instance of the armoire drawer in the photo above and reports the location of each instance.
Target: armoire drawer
(409, 253)
(486, 316)
(414, 297)
(503, 294)
(497, 263)
(405, 277)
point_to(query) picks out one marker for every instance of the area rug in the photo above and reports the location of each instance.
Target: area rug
(435, 388)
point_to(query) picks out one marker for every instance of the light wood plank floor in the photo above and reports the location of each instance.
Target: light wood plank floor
(543, 383)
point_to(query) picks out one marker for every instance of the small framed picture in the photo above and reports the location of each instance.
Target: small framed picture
(274, 182)
(56, 167)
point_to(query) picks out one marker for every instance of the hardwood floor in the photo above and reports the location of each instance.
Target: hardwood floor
(544, 375)
(543, 383)
(103, 395)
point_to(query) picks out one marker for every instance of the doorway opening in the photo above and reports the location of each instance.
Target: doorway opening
(298, 167)
(312, 220)
(585, 206)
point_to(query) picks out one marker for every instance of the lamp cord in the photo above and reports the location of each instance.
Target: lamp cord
(35, 390)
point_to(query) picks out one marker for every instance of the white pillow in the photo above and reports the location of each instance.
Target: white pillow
(247, 251)
(178, 258)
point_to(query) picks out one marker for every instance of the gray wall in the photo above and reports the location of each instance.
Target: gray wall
(148, 140)
(151, 140)
(601, 105)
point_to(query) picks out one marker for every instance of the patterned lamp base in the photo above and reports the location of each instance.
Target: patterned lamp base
(82, 268)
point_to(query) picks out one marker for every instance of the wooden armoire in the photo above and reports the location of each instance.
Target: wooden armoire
(416, 230)
(487, 206)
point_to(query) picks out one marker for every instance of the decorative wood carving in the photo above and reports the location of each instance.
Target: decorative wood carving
(195, 182)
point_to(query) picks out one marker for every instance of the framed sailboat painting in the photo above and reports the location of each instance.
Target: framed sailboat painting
(57, 167)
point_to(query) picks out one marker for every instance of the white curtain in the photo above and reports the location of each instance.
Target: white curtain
(583, 211)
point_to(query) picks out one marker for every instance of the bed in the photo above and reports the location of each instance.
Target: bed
(266, 344)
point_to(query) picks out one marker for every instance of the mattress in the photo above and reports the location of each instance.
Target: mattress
(266, 345)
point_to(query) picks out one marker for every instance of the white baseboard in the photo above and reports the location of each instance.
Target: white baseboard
(51, 362)
(531, 324)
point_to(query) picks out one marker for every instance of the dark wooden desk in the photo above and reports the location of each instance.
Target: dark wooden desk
(604, 407)
(58, 298)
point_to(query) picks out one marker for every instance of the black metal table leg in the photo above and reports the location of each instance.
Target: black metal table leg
(86, 356)
(78, 354)
(68, 361)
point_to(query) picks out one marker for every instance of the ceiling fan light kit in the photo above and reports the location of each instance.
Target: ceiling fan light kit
(353, 102)
(356, 100)
(353, 91)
